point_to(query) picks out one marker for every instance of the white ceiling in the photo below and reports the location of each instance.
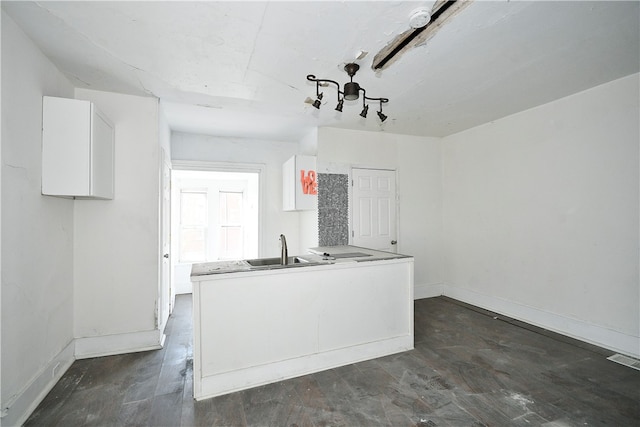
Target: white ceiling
(239, 68)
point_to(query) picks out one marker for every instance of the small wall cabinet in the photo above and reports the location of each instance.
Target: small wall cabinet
(300, 184)
(77, 150)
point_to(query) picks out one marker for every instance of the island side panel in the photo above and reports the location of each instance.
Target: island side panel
(366, 304)
(257, 319)
(259, 327)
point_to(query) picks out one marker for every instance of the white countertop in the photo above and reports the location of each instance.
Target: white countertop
(324, 255)
(353, 253)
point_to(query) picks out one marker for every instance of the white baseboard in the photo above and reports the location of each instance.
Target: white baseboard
(109, 345)
(427, 290)
(228, 382)
(578, 329)
(16, 411)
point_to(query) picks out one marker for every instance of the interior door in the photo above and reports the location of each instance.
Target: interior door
(373, 218)
(167, 293)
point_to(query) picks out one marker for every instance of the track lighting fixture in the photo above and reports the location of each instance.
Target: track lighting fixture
(350, 92)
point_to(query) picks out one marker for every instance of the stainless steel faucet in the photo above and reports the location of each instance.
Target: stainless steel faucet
(284, 253)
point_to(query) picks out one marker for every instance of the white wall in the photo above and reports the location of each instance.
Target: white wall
(272, 154)
(541, 215)
(116, 242)
(417, 161)
(420, 216)
(37, 235)
(164, 131)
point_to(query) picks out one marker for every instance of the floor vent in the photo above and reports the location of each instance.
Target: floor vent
(626, 361)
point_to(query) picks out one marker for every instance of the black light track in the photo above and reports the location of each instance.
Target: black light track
(410, 36)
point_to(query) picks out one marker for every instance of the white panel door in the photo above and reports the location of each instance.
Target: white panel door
(373, 207)
(167, 292)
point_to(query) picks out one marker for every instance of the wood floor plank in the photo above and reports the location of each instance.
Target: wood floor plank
(166, 410)
(136, 413)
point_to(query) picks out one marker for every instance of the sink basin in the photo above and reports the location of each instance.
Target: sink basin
(275, 262)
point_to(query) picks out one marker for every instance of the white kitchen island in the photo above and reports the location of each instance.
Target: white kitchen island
(257, 326)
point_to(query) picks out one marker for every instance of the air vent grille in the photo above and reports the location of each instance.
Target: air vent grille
(625, 360)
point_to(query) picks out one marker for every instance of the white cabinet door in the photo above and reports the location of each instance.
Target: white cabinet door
(66, 154)
(77, 150)
(374, 209)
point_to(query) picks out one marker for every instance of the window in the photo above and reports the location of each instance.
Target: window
(214, 215)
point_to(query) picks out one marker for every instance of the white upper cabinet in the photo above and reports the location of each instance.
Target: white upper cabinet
(300, 184)
(77, 150)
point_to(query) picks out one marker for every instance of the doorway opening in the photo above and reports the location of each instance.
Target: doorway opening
(214, 217)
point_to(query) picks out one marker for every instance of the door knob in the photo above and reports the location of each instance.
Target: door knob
(393, 242)
(166, 256)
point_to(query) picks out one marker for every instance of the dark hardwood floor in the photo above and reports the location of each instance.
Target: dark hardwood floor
(469, 368)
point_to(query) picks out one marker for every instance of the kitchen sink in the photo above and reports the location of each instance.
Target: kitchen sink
(294, 261)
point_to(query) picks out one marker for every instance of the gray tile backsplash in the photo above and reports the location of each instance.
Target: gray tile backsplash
(333, 209)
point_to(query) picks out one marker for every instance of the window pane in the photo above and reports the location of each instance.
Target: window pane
(231, 219)
(231, 208)
(231, 242)
(193, 208)
(192, 244)
(234, 208)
